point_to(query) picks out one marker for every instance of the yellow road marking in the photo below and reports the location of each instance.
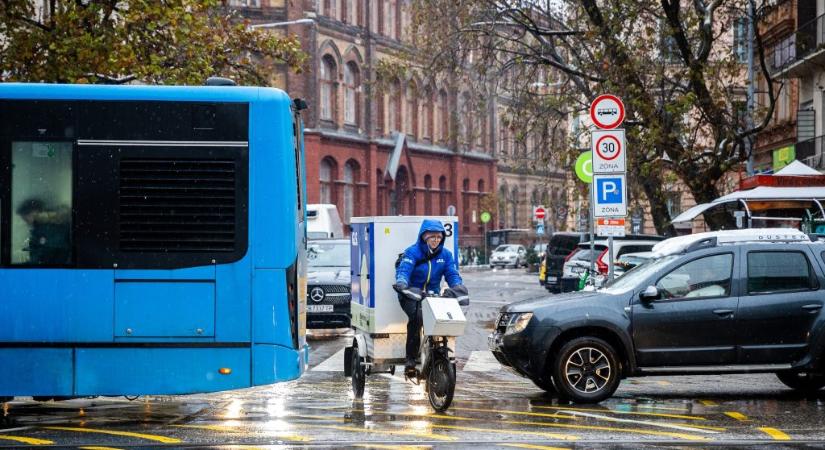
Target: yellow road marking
(439, 437)
(25, 440)
(774, 433)
(565, 437)
(737, 416)
(583, 427)
(150, 437)
(708, 403)
(393, 447)
(537, 447)
(226, 429)
(616, 411)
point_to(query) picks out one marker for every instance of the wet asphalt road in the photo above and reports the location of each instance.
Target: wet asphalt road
(492, 408)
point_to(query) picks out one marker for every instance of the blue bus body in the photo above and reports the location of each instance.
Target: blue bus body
(151, 239)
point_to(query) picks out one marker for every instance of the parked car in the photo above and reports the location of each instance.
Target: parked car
(324, 222)
(560, 246)
(737, 301)
(579, 262)
(509, 255)
(629, 261)
(328, 283)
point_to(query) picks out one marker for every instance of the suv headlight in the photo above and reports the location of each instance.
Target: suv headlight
(518, 322)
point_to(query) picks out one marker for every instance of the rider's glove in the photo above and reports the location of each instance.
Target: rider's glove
(399, 286)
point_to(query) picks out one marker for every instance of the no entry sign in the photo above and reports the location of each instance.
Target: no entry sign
(608, 147)
(607, 111)
(539, 213)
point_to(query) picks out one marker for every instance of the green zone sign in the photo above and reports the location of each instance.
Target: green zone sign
(485, 217)
(584, 167)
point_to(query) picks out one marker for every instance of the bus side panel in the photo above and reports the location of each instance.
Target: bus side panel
(270, 311)
(272, 198)
(56, 305)
(36, 371)
(233, 302)
(271, 363)
(146, 371)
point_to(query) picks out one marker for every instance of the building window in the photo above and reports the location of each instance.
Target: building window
(393, 103)
(352, 12)
(502, 206)
(740, 39)
(327, 97)
(389, 18)
(427, 115)
(351, 178)
(325, 176)
(513, 207)
(352, 83)
(411, 118)
(464, 119)
(444, 117)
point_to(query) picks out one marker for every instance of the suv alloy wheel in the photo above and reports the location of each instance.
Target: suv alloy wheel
(586, 370)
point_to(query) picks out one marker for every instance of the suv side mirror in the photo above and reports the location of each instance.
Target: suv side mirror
(649, 294)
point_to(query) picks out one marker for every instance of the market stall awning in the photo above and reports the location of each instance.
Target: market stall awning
(813, 194)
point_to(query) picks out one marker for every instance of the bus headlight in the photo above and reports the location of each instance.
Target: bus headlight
(518, 322)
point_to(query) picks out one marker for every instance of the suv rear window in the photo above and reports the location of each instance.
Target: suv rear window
(778, 272)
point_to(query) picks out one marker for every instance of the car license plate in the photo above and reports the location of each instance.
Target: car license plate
(319, 308)
(552, 279)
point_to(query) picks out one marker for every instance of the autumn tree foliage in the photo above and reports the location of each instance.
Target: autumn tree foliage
(152, 41)
(676, 65)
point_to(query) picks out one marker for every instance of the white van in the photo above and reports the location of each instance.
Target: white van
(323, 222)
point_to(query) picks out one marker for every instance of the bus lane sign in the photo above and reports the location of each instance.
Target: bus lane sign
(608, 147)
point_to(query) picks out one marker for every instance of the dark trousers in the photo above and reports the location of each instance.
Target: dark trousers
(413, 310)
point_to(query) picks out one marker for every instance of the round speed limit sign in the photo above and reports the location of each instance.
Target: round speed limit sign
(608, 148)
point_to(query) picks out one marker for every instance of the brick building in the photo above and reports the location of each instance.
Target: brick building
(406, 145)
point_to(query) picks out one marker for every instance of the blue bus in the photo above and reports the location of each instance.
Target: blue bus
(152, 239)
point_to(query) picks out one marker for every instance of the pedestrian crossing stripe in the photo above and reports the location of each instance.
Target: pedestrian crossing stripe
(479, 361)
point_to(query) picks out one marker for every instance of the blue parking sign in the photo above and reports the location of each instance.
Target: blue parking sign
(610, 195)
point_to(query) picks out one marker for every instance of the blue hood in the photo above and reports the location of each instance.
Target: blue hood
(430, 225)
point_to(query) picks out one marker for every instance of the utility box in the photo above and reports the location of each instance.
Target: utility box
(376, 244)
(442, 317)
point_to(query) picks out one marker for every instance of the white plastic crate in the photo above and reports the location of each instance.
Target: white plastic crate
(443, 317)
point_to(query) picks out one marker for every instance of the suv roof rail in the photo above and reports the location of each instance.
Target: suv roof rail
(692, 242)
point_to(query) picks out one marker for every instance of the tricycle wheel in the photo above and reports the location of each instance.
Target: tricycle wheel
(358, 373)
(441, 383)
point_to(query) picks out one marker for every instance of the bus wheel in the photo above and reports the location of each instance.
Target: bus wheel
(358, 373)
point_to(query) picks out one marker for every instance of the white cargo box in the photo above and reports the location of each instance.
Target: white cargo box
(442, 317)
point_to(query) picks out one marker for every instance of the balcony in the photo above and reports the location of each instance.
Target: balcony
(802, 52)
(812, 152)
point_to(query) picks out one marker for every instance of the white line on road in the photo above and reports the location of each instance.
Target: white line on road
(482, 361)
(334, 363)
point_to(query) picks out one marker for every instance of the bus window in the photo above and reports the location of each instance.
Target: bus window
(41, 202)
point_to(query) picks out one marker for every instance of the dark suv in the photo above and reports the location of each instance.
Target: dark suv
(721, 302)
(560, 246)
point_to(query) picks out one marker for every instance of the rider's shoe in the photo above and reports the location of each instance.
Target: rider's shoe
(409, 368)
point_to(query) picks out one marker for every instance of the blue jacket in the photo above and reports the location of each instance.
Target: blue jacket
(420, 266)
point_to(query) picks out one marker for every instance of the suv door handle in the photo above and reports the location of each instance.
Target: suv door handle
(812, 307)
(723, 312)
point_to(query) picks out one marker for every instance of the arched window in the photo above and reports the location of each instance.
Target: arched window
(480, 129)
(328, 82)
(427, 115)
(513, 207)
(381, 194)
(502, 205)
(464, 120)
(352, 81)
(411, 117)
(443, 117)
(393, 105)
(401, 191)
(428, 195)
(442, 195)
(351, 178)
(325, 176)
(389, 18)
(504, 138)
(481, 186)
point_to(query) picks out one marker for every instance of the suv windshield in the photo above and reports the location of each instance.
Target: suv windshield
(636, 275)
(328, 254)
